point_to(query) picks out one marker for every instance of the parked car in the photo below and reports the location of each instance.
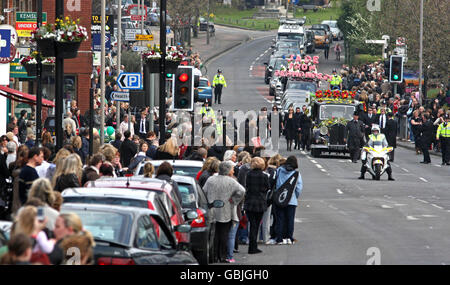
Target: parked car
(171, 201)
(180, 167)
(335, 31)
(205, 91)
(320, 35)
(202, 230)
(310, 42)
(130, 235)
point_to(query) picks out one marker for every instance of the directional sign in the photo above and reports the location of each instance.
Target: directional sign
(120, 96)
(144, 37)
(130, 34)
(140, 48)
(129, 80)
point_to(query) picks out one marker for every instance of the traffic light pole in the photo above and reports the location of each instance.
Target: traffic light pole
(162, 77)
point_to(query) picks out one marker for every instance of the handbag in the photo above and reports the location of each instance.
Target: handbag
(282, 195)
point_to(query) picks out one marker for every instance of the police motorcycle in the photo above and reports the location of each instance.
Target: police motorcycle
(376, 157)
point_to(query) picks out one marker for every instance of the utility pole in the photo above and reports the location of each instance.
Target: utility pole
(162, 71)
(207, 25)
(102, 76)
(59, 83)
(119, 54)
(421, 52)
(38, 116)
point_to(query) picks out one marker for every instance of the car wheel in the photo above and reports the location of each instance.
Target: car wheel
(203, 255)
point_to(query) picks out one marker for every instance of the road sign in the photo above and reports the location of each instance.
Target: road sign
(138, 18)
(128, 80)
(375, 41)
(123, 96)
(167, 30)
(140, 48)
(130, 34)
(144, 37)
(26, 22)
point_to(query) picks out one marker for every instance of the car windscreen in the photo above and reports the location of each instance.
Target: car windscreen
(291, 36)
(319, 32)
(311, 87)
(337, 111)
(179, 170)
(203, 83)
(281, 62)
(106, 225)
(187, 195)
(287, 44)
(119, 201)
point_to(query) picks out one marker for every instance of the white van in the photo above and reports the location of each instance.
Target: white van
(292, 32)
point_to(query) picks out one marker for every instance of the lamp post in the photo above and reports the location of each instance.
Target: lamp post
(102, 76)
(162, 71)
(38, 116)
(421, 52)
(59, 83)
(119, 52)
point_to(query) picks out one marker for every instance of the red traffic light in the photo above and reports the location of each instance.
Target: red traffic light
(183, 77)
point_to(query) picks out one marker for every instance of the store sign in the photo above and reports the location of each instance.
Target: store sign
(26, 22)
(17, 70)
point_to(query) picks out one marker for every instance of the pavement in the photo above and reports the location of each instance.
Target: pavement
(410, 145)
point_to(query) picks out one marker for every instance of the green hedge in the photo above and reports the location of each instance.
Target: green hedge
(360, 59)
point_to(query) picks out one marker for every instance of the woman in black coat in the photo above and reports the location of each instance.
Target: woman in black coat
(257, 185)
(290, 128)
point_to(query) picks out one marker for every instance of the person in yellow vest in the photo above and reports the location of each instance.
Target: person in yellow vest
(335, 81)
(443, 135)
(218, 84)
(208, 112)
(376, 136)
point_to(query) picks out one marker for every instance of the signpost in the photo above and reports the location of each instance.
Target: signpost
(130, 34)
(123, 96)
(144, 37)
(128, 80)
(140, 48)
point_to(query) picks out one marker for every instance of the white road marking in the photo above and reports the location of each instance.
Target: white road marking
(343, 213)
(438, 165)
(395, 164)
(339, 191)
(400, 205)
(303, 152)
(423, 179)
(332, 207)
(323, 170)
(436, 206)
(423, 201)
(297, 220)
(412, 218)
(429, 216)
(262, 54)
(386, 207)
(313, 161)
(405, 170)
(319, 166)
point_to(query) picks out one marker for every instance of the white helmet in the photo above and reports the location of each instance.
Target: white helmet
(375, 128)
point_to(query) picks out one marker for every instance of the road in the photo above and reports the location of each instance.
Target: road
(340, 219)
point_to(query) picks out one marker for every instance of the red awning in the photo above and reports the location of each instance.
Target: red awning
(22, 97)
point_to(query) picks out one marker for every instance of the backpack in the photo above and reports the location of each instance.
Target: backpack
(282, 195)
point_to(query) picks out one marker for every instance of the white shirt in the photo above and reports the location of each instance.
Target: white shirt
(124, 127)
(197, 72)
(42, 169)
(382, 121)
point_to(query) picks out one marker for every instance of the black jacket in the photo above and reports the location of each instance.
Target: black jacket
(427, 131)
(65, 181)
(128, 150)
(305, 123)
(354, 132)
(204, 177)
(257, 185)
(137, 127)
(391, 132)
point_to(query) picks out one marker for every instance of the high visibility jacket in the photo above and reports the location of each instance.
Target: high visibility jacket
(335, 80)
(443, 131)
(219, 128)
(208, 113)
(219, 79)
(377, 138)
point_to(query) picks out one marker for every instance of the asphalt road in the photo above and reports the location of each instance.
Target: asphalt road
(340, 219)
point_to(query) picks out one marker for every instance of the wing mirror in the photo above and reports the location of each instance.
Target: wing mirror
(184, 228)
(191, 215)
(216, 204)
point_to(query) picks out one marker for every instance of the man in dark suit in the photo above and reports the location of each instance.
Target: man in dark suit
(426, 130)
(369, 119)
(128, 149)
(391, 133)
(354, 133)
(142, 125)
(382, 119)
(297, 116)
(305, 125)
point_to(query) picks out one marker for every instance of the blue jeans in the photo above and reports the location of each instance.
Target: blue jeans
(284, 227)
(232, 239)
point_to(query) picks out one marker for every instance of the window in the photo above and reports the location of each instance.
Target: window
(146, 234)
(337, 111)
(187, 195)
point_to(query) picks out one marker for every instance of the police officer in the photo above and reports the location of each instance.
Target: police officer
(218, 84)
(376, 136)
(335, 81)
(354, 133)
(208, 112)
(443, 134)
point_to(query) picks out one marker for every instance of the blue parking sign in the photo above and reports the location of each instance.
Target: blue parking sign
(129, 80)
(5, 43)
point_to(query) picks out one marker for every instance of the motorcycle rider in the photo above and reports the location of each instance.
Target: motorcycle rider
(376, 136)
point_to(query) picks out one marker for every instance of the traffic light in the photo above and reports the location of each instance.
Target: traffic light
(396, 69)
(387, 66)
(183, 86)
(169, 75)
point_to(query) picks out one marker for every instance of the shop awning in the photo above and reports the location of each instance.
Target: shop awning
(22, 97)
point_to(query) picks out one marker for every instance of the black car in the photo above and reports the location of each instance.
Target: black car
(202, 230)
(129, 235)
(329, 119)
(310, 41)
